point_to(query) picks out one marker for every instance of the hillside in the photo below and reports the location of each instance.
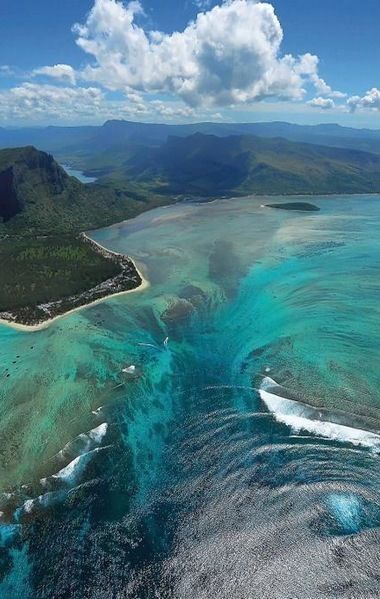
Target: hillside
(38, 197)
(98, 149)
(208, 165)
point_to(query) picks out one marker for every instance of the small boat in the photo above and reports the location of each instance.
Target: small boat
(166, 341)
(130, 369)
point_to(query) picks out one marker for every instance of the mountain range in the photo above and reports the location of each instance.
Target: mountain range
(140, 166)
(90, 147)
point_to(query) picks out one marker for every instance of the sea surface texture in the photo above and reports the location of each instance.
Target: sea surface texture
(240, 457)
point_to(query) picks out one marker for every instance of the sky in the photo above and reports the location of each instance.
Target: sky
(86, 61)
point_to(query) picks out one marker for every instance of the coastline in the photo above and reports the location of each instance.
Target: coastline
(26, 328)
(144, 282)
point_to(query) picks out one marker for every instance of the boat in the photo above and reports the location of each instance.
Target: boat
(129, 369)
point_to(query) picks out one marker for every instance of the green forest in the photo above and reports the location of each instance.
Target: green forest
(39, 270)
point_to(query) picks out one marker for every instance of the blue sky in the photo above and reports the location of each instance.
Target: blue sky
(239, 60)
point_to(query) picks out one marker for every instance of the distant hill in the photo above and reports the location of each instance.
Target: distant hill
(208, 165)
(38, 197)
(99, 149)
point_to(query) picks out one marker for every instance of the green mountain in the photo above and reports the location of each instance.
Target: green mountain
(209, 165)
(38, 197)
(98, 149)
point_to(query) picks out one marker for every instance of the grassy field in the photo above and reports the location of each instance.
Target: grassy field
(44, 269)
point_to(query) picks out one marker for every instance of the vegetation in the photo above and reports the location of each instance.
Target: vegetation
(38, 271)
(207, 165)
(43, 210)
(47, 268)
(297, 206)
(45, 277)
(91, 147)
(37, 197)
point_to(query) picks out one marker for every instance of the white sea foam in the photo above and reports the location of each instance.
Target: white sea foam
(148, 345)
(97, 411)
(28, 505)
(300, 417)
(97, 434)
(45, 500)
(85, 441)
(70, 473)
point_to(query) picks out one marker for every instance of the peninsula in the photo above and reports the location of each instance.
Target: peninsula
(63, 278)
(49, 267)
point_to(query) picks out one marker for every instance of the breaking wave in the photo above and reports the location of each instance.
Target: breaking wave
(302, 417)
(85, 442)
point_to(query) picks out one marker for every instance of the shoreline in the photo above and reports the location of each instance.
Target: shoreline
(144, 282)
(40, 326)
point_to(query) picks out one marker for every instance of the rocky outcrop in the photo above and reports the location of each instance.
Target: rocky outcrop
(10, 202)
(26, 175)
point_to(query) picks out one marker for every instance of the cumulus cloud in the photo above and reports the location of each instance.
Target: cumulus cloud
(310, 65)
(43, 103)
(229, 55)
(171, 109)
(324, 89)
(33, 101)
(58, 71)
(323, 103)
(370, 100)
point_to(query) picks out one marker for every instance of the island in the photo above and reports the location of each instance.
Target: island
(296, 206)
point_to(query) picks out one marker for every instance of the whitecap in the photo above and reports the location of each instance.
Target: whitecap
(301, 417)
(85, 441)
(70, 473)
(28, 505)
(97, 434)
(45, 500)
(97, 411)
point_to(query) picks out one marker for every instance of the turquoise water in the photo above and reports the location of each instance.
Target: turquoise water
(242, 460)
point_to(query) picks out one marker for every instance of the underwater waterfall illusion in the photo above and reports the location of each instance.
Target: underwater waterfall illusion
(246, 443)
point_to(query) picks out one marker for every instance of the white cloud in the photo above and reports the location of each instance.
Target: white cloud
(229, 55)
(45, 103)
(58, 71)
(324, 89)
(35, 102)
(310, 64)
(322, 103)
(171, 109)
(370, 100)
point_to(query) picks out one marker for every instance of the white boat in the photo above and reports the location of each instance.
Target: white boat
(130, 369)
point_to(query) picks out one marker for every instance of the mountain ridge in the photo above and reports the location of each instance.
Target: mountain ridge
(86, 146)
(242, 165)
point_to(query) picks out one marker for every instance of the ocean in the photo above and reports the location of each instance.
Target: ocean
(240, 458)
